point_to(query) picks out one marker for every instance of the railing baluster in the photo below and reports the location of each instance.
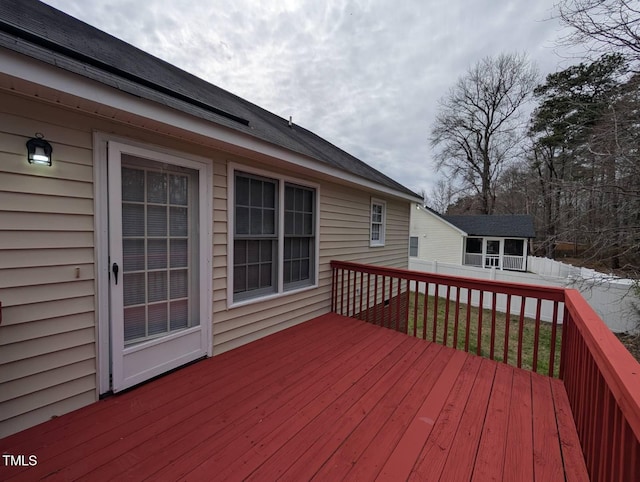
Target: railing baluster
(368, 315)
(435, 312)
(507, 326)
(425, 309)
(415, 308)
(493, 326)
(349, 300)
(342, 292)
(446, 316)
(536, 337)
(521, 330)
(384, 300)
(480, 310)
(375, 301)
(468, 328)
(554, 334)
(398, 302)
(456, 319)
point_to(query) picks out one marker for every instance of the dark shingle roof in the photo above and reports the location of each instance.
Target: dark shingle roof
(40, 31)
(501, 225)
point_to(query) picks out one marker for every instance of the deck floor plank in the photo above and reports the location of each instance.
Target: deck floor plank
(330, 399)
(489, 462)
(518, 464)
(547, 459)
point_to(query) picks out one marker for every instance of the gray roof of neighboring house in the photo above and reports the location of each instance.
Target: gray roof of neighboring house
(42, 32)
(500, 225)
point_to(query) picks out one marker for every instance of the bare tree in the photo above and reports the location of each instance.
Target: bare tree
(606, 25)
(441, 196)
(479, 126)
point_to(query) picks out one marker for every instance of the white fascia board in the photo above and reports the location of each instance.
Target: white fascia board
(31, 70)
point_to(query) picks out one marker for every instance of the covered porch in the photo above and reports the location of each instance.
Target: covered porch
(499, 253)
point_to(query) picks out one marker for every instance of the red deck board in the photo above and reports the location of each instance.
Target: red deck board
(575, 468)
(464, 448)
(434, 454)
(489, 462)
(378, 425)
(519, 454)
(243, 434)
(334, 399)
(547, 459)
(333, 434)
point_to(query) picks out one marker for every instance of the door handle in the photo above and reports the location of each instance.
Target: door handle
(115, 270)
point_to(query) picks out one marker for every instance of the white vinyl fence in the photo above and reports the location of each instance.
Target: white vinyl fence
(613, 301)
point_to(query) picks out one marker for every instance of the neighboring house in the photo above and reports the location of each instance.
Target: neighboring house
(489, 241)
(175, 220)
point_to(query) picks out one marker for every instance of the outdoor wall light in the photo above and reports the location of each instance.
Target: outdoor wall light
(39, 151)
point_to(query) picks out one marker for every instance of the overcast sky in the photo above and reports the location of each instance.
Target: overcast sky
(365, 75)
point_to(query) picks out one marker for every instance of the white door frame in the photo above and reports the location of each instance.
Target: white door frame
(101, 199)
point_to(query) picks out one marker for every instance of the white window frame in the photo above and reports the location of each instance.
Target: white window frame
(383, 224)
(280, 290)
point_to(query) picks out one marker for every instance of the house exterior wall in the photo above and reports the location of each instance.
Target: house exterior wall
(437, 241)
(48, 335)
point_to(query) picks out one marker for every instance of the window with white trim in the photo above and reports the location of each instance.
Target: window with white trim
(378, 221)
(274, 236)
(413, 246)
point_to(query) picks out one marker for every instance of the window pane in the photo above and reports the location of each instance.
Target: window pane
(265, 275)
(134, 289)
(179, 253)
(178, 190)
(157, 254)
(157, 283)
(266, 251)
(178, 221)
(156, 187)
(288, 222)
(239, 252)
(242, 191)
(132, 184)
(158, 318)
(242, 220)
(156, 220)
(253, 251)
(269, 221)
(239, 279)
(132, 254)
(256, 193)
(289, 198)
(179, 314)
(256, 221)
(253, 276)
(513, 247)
(179, 285)
(474, 245)
(375, 232)
(269, 195)
(132, 219)
(135, 323)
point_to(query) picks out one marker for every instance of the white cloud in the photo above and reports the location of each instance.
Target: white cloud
(365, 75)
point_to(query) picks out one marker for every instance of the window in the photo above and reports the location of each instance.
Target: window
(514, 247)
(413, 246)
(274, 236)
(474, 245)
(378, 215)
(299, 235)
(256, 240)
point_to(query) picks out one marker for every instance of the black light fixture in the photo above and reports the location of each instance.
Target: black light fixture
(39, 151)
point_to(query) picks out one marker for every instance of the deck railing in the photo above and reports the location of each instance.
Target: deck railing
(446, 309)
(602, 379)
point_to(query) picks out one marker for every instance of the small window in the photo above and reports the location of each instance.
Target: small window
(413, 246)
(299, 236)
(378, 218)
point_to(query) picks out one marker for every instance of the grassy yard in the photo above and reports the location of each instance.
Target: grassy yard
(528, 333)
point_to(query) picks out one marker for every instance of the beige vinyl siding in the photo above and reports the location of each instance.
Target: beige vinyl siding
(344, 235)
(437, 240)
(47, 256)
(47, 335)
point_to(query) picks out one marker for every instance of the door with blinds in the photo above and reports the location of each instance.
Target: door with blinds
(155, 257)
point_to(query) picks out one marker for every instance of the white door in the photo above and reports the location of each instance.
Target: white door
(157, 263)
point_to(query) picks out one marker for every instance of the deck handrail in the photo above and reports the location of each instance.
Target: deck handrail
(392, 286)
(601, 378)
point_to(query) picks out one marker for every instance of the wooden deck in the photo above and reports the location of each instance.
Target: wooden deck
(331, 399)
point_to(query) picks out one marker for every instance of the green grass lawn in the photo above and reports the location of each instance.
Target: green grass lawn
(528, 333)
